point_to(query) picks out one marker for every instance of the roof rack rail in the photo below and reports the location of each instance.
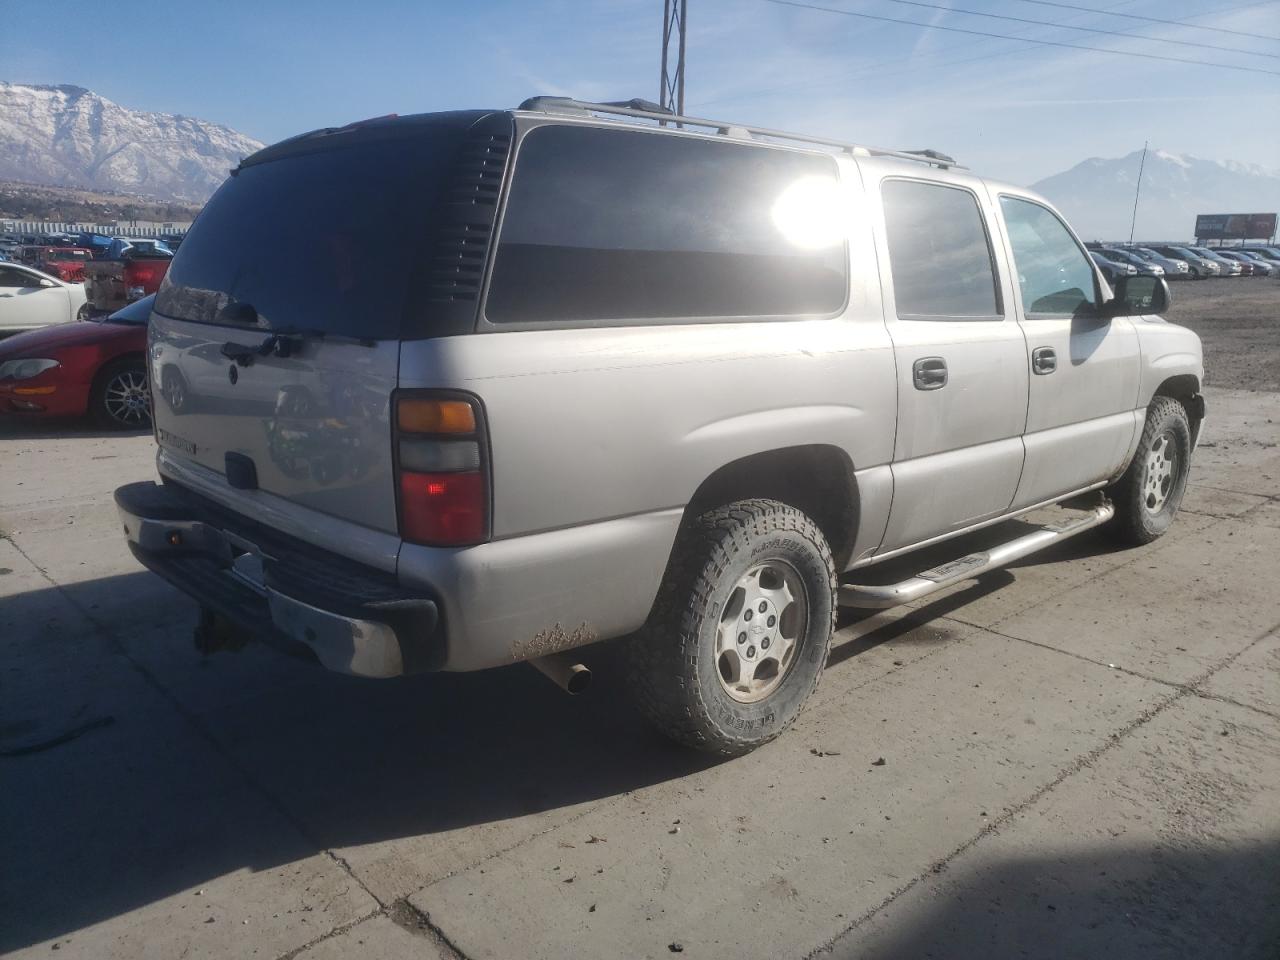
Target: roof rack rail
(646, 110)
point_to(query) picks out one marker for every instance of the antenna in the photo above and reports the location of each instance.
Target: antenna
(1134, 222)
(671, 85)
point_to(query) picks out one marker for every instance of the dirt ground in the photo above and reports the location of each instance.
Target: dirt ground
(1239, 322)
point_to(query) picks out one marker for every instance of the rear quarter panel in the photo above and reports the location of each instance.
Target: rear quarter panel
(588, 425)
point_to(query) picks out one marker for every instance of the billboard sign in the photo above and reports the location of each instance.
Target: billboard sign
(1235, 226)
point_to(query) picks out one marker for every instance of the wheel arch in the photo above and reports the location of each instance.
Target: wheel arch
(815, 478)
(1185, 388)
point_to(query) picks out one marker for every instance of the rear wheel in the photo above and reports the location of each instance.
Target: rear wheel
(120, 398)
(741, 628)
(1147, 497)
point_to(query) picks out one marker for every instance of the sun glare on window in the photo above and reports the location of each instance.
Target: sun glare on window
(810, 213)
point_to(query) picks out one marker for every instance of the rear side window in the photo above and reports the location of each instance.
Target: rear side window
(327, 240)
(939, 252)
(611, 225)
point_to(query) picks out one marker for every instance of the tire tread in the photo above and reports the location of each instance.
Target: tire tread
(664, 656)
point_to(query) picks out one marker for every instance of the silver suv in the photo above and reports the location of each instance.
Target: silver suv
(624, 374)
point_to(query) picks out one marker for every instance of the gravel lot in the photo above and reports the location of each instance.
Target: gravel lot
(1078, 756)
(1239, 321)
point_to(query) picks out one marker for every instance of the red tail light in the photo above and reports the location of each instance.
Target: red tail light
(140, 273)
(442, 467)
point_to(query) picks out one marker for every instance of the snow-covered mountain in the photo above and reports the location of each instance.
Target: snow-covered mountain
(70, 137)
(1097, 195)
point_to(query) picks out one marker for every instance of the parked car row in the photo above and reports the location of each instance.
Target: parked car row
(1183, 261)
(114, 270)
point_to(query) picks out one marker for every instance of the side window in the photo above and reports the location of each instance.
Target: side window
(1055, 277)
(615, 225)
(10, 277)
(939, 252)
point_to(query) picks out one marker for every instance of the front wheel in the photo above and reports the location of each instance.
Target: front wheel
(120, 398)
(1148, 495)
(740, 631)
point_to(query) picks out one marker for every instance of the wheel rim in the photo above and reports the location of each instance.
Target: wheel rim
(127, 398)
(760, 629)
(1161, 473)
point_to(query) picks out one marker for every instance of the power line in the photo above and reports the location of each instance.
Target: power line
(875, 67)
(1067, 26)
(1163, 23)
(1005, 36)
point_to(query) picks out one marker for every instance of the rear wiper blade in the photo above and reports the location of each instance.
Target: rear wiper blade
(283, 342)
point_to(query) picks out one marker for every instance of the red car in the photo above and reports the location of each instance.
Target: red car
(96, 367)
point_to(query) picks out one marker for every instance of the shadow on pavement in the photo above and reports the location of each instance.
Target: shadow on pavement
(1180, 901)
(252, 760)
(274, 760)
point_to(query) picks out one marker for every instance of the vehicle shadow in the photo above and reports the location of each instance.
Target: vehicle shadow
(194, 768)
(191, 769)
(1125, 902)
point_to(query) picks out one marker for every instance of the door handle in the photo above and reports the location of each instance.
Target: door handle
(929, 373)
(1043, 360)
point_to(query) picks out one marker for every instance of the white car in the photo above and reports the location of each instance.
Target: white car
(30, 299)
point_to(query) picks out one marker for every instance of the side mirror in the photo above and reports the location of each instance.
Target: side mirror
(46, 283)
(1135, 296)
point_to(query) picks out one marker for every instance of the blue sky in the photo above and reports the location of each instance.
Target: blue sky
(1008, 109)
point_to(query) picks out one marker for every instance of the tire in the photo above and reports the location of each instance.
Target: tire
(1147, 497)
(115, 400)
(703, 639)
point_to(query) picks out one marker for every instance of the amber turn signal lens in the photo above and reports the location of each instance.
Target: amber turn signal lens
(435, 416)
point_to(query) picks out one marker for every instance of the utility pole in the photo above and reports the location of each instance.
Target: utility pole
(671, 92)
(1134, 222)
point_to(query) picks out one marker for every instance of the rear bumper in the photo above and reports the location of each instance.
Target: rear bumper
(290, 595)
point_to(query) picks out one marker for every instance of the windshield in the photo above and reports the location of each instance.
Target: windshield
(300, 241)
(135, 314)
(147, 248)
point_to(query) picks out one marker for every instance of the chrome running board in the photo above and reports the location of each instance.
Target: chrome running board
(872, 597)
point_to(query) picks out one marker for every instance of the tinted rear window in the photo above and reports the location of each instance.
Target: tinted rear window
(613, 225)
(939, 252)
(329, 240)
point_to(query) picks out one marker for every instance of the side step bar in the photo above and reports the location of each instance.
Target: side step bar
(870, 597)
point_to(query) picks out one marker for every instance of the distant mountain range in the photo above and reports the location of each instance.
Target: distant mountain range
(1097, 194)
(68, 136)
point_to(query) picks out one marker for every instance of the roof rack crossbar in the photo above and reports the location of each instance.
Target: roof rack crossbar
(631, 109)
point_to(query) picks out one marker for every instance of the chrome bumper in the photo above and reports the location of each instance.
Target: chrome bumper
(229, 578)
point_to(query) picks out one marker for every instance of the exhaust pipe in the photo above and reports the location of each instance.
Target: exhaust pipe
(564, 671)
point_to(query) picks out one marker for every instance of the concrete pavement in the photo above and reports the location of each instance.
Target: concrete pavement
(1080, 755)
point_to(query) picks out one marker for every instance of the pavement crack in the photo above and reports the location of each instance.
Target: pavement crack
(405, 914)
(1192, 686)
(1082, 762)
(330, 934)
